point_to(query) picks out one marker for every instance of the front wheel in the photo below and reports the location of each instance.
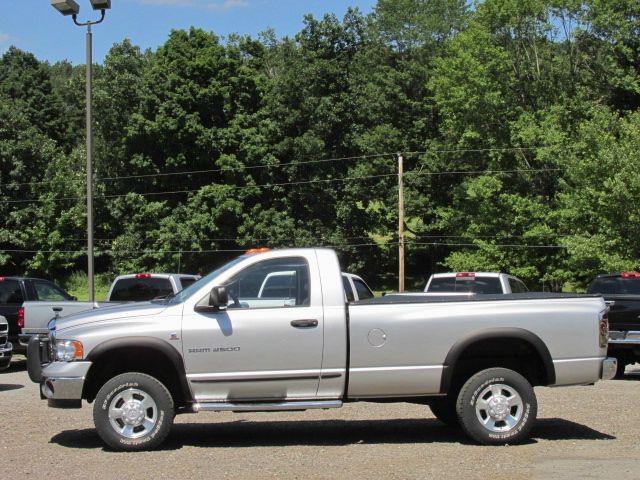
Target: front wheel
(132, 412)
(497, 406)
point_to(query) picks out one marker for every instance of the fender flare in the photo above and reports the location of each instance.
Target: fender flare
(504, 333)
(156, 344)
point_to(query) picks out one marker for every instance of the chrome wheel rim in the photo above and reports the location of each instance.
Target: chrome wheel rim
(133, 413)
(499, 408)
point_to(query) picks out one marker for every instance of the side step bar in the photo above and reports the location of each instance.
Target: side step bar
(265, 407)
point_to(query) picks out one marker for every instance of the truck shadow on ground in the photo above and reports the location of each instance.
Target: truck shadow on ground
(248, 434)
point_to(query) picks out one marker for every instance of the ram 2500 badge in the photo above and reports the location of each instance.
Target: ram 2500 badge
(216, 346)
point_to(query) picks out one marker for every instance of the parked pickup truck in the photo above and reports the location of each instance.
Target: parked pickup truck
(136, 287)
(474, 282)
(16, 290)
(214, 347)
(622, 292)
(6, 348)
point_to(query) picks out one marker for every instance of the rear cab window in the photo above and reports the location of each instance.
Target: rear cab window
(140, 289)
(615, 285)
(471, 284)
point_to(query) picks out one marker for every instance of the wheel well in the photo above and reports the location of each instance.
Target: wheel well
(513, 353)
(147, 360)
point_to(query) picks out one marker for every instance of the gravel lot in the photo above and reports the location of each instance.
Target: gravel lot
(582, 432)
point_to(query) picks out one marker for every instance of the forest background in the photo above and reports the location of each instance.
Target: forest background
(518, 122)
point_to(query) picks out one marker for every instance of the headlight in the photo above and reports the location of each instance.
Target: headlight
(69, 350)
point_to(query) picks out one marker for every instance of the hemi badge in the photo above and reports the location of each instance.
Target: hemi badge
(174, 336)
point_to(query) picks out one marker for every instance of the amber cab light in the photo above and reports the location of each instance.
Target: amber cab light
(257, 250)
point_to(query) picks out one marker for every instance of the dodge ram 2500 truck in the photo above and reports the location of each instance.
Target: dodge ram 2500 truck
(216, 346)
(622, 292)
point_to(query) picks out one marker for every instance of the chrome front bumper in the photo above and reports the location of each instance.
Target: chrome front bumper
(609, 367)
(64, 380)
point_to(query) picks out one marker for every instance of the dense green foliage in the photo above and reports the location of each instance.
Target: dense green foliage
(519, 122)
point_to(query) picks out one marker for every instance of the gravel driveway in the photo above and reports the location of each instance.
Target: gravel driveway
(582, 432)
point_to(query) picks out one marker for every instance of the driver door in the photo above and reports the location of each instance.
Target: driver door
(266, 345)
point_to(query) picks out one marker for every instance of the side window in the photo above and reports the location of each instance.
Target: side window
(364, 292)
(283, 282)
(186, 281)
(10, 292)
(517, 286)
(49, 292)
(347, 289)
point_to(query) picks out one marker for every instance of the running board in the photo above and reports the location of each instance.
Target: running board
(265, 407)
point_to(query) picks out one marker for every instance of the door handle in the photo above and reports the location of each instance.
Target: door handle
(304, 323)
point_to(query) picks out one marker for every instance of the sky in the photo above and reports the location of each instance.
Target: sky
(35, 26)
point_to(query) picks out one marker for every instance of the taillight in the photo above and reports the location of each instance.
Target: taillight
(604, 328)
(21, 317)
(143, 275)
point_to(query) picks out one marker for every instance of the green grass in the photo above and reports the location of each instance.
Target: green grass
(78, 285)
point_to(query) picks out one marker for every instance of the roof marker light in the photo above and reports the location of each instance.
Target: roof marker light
(143, 275)
(257, 250)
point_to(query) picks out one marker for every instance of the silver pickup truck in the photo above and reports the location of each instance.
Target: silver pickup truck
(217, 346)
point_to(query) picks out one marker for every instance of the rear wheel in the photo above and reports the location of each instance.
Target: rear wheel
(132, 412)
(497, 406)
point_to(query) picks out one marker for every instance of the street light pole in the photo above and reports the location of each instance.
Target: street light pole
(70, 7)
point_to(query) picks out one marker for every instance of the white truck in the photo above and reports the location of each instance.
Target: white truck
(217, 346)
(135, 287)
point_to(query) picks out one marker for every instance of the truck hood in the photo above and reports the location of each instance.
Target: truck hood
(110, 313)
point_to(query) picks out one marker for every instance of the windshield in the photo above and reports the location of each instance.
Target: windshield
(194, 287)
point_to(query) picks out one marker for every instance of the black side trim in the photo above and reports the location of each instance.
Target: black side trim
(149, 342)
(496, 333)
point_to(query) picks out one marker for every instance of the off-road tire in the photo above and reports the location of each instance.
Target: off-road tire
(497, 406)
(133, 412)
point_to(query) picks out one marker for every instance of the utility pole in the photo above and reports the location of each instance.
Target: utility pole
(400, 224)
(70, 7)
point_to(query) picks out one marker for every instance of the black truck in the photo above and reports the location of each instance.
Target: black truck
(622, 292)
(16, 290)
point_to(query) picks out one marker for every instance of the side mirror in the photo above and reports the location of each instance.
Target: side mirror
(218, 299)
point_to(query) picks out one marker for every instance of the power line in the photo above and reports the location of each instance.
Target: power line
(304, 182)
(298, 163)
(233, 187)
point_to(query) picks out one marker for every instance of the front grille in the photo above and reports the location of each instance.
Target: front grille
(3, 340)
(4, 332)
